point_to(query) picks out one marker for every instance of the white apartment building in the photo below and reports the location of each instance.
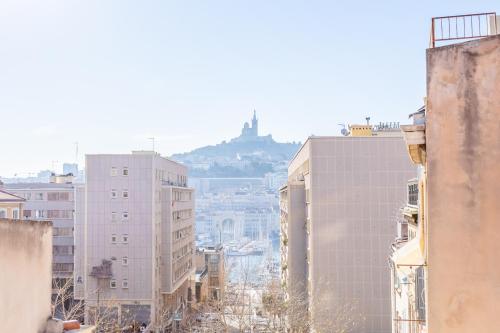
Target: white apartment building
(135, 238)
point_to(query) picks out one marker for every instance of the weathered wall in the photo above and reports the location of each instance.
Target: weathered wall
(26, 275)
(463, 158)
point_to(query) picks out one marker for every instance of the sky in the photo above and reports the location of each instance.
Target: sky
(112, 74)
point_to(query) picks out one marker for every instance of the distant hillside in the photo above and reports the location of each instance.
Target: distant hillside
(270, 150)
(248, 155)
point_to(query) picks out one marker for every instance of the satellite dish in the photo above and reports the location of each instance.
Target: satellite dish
(344, 131)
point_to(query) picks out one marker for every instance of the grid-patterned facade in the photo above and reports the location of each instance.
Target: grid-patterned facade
(354, 188)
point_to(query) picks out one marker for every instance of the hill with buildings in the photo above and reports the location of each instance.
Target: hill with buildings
(248, 155)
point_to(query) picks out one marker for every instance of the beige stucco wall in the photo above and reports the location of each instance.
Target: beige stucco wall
(26, 274)
(463, 158)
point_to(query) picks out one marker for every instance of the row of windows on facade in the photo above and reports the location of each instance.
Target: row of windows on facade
(183, 233)
(49, 196)
(162, 175)
(62, 231)
(114, 171)
(181, 214)
(182, 252)
(50, 214)
(182, 270)
(124, 260)
(63, 249)
(124, 239)
(3, 213)
(62, 267)
(159, 175)
(113, 283)
(179, 195)
(114, 194)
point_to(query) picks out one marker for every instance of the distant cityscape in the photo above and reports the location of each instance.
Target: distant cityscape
(383, 228)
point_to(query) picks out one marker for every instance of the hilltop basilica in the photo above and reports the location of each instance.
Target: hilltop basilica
(251, 134)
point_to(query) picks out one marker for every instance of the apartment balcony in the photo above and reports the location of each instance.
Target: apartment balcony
(415, 142)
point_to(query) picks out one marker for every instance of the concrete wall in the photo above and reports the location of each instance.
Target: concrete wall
(463, 158)
(25, 281)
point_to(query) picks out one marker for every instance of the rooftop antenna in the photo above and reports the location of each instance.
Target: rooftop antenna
(54, 163)
(76, 152)
(153, 142)
(367, 120)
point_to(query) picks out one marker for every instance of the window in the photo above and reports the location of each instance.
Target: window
(125, 171)
(27, 196)
(58, 267)
(39, 214)
(125, 216)
(125, 238)
(39, 196)
(62, 250)
(27, 213)
(125, 284)
(112, 283)
(125, 261)
(114, 194)
(125, 194)
(57, 196)
(62, 231)
(3, 213)
(114, 171)
(113, 238)
(113, 216)
(15, 214)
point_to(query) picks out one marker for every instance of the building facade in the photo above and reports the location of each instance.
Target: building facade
(53, 201)
(337, 220)
(408, 266)
(456, 143)
(210, 272)
(11, 205)
(135, 238)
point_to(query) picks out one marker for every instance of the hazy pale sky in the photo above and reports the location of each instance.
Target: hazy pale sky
(111, 74)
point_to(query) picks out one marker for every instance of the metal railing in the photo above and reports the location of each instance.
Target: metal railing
(460, 27)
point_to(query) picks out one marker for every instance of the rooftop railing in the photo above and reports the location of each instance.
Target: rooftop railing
(463, 27)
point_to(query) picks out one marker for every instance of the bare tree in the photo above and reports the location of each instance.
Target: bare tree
(64, 306)
(335, 314)
(284, 311)
(105, 317)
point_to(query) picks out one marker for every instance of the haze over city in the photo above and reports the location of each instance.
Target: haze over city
(173, 72)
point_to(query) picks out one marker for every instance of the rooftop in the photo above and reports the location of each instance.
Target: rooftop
(9, 197)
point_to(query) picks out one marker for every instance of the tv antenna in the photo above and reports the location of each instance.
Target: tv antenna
(153, 142)
(76, 152)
